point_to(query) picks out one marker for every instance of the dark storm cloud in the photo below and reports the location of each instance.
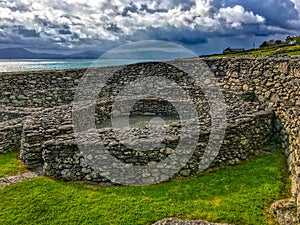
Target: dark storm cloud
(184, 36)
(27, 32)
(193, 39)
(131, 8)
(86, 24)
(64, 31)
(145, 8)
(113, 28)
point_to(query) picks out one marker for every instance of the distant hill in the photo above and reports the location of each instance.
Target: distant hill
(21, 53)
(86, 55)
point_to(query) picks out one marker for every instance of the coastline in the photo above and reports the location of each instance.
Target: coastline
(204, 58)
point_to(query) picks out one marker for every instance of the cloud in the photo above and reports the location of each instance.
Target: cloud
(297, 5)
(276, 12)
(27, 32)
(236, 16)
(76, 24)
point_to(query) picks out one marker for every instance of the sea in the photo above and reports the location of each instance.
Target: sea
(60, 64)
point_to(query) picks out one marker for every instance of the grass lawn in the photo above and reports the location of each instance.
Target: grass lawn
(239, 195)
(10, 164)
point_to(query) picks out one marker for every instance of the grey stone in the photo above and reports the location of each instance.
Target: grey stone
(36, 116)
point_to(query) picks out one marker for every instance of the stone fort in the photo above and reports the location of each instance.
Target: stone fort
(262, 96)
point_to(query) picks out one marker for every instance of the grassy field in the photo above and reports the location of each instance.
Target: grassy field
(10, 164)
(239, 195)
(267, 51)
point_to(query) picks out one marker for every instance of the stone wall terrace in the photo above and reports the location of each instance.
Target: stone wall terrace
(269, 84)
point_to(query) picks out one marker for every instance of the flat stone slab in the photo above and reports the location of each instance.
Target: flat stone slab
(5, 181)
(3, 184)
(14, 179)
(29, 175)
(175, 221)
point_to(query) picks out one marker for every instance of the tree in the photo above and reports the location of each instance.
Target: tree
(271, 42)
(289, 39)
(297, 39)
(264, 44)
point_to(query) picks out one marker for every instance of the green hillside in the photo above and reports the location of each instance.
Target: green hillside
(289, 47)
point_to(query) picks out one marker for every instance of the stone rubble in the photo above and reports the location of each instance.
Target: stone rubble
(5, 181)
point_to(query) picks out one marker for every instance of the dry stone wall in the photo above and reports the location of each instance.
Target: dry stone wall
(262, 93)
(39, 88)
(48, 143)
(287, 126)
(10, 135)
(274, 82)
(11, 127)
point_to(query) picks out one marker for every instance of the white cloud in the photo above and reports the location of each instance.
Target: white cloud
(295, 22)
(236, 16)
(71, 23)
(297, 4)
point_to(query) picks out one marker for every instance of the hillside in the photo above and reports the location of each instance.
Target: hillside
(289, 47)
(269, 51)
(21, 53)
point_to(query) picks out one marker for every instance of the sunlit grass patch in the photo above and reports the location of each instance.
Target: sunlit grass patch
(238, 195)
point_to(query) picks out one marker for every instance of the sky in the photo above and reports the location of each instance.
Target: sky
(203, 26)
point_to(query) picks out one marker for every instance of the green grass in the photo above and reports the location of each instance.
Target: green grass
(10, 164)
(292, 53)
(280, 50)
(238, 195)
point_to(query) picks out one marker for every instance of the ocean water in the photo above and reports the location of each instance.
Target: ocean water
(38, 64)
